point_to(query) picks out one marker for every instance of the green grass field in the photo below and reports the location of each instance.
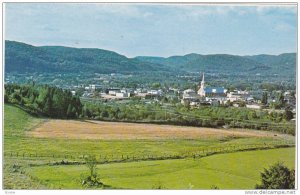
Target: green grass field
(240, 170)
(17, 122)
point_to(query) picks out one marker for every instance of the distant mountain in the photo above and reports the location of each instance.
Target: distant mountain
(21, 57)
(228, 63)
(217, 62)
(283, 63)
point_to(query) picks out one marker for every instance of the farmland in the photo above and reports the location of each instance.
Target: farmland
(30, 141)
(88, 129)
(225, 171)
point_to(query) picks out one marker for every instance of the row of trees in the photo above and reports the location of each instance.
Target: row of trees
(44, 100)
(205, 116)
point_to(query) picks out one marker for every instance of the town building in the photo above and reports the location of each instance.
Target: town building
(238, 96)
(122, 95)
(211, 91)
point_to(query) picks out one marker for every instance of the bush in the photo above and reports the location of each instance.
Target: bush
(92, 180)
(214, 187)
(277, 176)
(158, 186)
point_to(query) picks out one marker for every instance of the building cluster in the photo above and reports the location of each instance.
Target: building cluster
(205, 95)
(119, 94)
(217, 95)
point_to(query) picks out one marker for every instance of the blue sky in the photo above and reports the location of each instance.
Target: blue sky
(156, 29)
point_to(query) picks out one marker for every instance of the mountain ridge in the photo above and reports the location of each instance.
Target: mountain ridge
(22, 57)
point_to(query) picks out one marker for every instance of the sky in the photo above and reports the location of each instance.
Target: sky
(156, 29)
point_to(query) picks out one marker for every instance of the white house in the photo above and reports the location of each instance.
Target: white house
(122, 95)
(253, 106)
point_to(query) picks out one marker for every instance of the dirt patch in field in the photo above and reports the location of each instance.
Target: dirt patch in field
(74, 129)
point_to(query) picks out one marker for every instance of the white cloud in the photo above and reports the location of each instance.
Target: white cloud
(265, 9)
(128, 10)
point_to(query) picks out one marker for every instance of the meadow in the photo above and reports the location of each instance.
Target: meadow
(240, 170)
(29, 160)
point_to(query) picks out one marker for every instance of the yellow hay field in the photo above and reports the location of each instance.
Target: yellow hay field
(74, 129)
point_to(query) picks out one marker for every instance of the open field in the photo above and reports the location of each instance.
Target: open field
(239, 170)
(74, 129)
(18, 138)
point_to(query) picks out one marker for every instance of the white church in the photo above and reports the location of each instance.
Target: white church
(205, 94)
(211, 91)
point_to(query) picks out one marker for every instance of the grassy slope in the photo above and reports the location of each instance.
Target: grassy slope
(16, 122)
(239, 170)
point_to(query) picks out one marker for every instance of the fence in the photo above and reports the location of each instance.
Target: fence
(105, 158)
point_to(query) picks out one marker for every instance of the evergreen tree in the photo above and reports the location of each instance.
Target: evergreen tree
(70, 111)
(277, 176)
(264, 99)
(280, 100)
(288, 115)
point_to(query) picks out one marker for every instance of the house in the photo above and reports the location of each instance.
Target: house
(122, 95)
(155, 92)
(188, 94)
(238, 96)
(112, 91)
(93, 87)
(253, 106)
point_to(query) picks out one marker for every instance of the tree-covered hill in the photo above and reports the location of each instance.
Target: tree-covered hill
(271, 64)
(283, 63)
(21, 57)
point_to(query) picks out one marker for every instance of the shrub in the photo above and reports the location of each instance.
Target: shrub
(158, 186)
(277, 176)
(214, 187)
(92, 180)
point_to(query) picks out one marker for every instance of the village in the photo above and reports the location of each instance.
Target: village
(204, 95)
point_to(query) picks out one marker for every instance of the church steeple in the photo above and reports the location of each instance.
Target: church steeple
(201, 90)
(202, 82)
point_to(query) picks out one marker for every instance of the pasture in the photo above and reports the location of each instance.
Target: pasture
(55, 140)
(240, 170)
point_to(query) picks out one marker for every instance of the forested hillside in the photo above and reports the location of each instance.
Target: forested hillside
(223, 63)
(22, 58)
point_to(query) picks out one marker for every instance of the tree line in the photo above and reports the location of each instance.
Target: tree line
(44, 100)
(205, 116)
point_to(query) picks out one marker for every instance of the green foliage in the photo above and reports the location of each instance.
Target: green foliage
(44, 100)
(205, 116)
(277, 176)
(91, 163)
(214, 187)
(264, 99)
(158, 186)
(280, 100)
(93, 179)
(288, 115)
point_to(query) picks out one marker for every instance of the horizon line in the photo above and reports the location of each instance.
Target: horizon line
(175, 55)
